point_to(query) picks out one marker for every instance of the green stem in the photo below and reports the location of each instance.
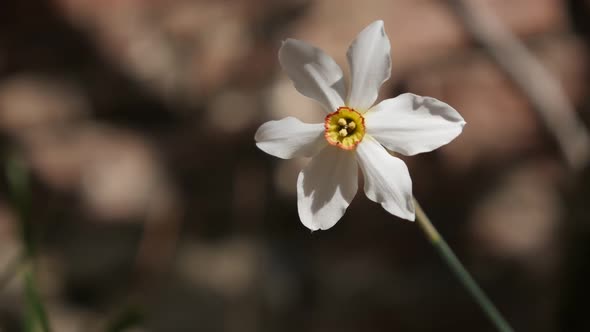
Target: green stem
(35, 316)
(459, 270)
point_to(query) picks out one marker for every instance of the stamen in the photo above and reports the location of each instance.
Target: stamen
(352, 125)
(342, 122)
(343, 132)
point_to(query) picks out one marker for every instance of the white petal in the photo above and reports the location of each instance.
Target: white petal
(370, 66)
(326, 187)
(315, 74)
(387, 180)
(288, 138)
(411, 124)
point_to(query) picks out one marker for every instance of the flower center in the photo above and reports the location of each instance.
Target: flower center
(345, 128)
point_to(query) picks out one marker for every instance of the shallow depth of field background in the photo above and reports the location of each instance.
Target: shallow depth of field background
(153, 206)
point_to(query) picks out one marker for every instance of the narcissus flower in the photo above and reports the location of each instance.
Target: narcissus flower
(355, 132)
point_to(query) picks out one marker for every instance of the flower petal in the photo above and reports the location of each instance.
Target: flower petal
(370, 66)
(411, 124)
(314, 74)
(326, 187)
(387, 180)
(289, 138)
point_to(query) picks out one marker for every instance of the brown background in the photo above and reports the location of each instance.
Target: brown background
(136, 120)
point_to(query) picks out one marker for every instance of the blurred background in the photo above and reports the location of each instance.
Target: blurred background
(151, 209)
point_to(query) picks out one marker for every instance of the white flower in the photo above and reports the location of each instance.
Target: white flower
(355, 132)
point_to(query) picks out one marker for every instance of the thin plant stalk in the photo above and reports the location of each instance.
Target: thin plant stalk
(459, 270)
(35, 315)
